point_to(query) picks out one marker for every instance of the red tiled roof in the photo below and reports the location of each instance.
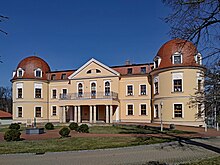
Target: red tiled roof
(4, 114)
(58, 74)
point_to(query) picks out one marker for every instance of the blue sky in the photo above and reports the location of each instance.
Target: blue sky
(67, 33)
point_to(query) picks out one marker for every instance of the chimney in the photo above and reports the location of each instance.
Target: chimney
(127, 62)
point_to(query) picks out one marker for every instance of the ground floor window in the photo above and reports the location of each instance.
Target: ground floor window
(178, 110)
(37, 111)
(19, 111)
(130, 110)
(156, 111)
(143, 109)
(54, 110)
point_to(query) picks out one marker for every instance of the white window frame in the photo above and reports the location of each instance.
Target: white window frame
(155, 111)
(52, 110)
(104, 85)
(177, 54)
(35, 72)
(22, 74)
(196, 58)
(158, 59)
(40, 112)
(177, 76)
(140, 109)
(38, 86)
(182, 111)
(52, 93)
(77, 87)
(19, 85)
(140, 90)
(127, 109)
(17, 113)
(91, 86)
(156, 79)
(132, 89)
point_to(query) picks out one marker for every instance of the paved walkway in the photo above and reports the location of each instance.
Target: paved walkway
(168, 152)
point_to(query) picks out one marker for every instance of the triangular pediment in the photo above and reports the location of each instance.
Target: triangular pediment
(93, 68)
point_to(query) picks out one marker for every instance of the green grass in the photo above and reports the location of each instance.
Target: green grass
(209, 161)
(74, 143)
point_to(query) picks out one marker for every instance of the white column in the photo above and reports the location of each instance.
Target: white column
(64, 114)
(75, 114)
(117, 114)
(71, 114)
(107, 113)
(111, 113)
(79, 114)
(90, 114)
(61, 114)
(94, 113)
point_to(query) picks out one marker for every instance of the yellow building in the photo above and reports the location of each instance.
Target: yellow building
(96, 93)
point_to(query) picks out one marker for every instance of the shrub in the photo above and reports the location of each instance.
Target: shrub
(83, 128)
(172, 126)
(49, 126)
(73, 126)
(12, 135)
(14, 126)
(64, 132)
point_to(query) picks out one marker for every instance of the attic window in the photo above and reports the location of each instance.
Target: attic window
(63, 76)
(38, 73)
(53, 77)
(20, 72)
(98, 71)
(89, 71)
(177, 58)
(143, 70)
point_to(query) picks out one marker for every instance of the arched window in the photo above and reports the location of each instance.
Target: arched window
(80, 90)
(89, 71)
(107, 88)
(93, 89)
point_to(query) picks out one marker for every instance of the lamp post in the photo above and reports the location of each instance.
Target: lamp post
(161, 119)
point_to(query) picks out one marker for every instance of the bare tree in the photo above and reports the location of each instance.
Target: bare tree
(197, 21)
(6, 99)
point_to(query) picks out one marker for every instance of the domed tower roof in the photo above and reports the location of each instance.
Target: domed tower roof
(175, 47)
(29, 66)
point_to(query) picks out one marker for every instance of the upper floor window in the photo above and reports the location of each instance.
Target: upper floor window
(19, 87)
(143, 70)
(38, 90)
(20, 72)
(53, 77)
(19, 92)
(143, 89)
(157, 61)
(107, 88)
(54, 93)
(177, 58)
(156, 85)
(38, 73)
(93, 89)
(129, 90)
(129, 71)
(89, 71)
(98, 71)
(177, 82)
(80, 90)
(199, 110)
(199, 85)
(178, 110)
(63, 76)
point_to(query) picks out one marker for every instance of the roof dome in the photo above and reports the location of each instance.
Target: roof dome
(29, 65)
(177, 46)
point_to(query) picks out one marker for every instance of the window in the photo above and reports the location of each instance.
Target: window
(177, 58)
(19, 111)
(37, 111)
(143, 70)
(89, 71)
(80, 90)
(198, 59)
(54, 93)
(63, 76)
(177, 81)
(178, 110)
(98, 71)
(199, 85)
(54, 110)
(143, 109)
(130, 90)
(64, 93)
(107, 88)
(177, 85)
(129, 71)
(157, 61)
(199, 110)
(20, 72)
(38, 73)
(19, 92)
(93, 89)
(37, 92)
(143, 90)
(156, 85)
(53, 77)
(156, 111)
(130, 109)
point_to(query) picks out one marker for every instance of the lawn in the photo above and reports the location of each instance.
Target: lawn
(74, 143)
(209, 161)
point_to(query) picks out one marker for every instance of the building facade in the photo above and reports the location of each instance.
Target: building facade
(96, 93)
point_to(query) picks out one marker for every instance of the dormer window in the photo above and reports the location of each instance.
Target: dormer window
(20, 72)
(53, 77)
(129, 71)
(177, 58)
(198, 58)
(63, 76)
(38, 73)
(157, 61)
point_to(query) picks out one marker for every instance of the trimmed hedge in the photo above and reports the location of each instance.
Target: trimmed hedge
(14, 126)
(49, 126)
(64, 132)
(73, 126)
(12, 135)
(84, 128)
